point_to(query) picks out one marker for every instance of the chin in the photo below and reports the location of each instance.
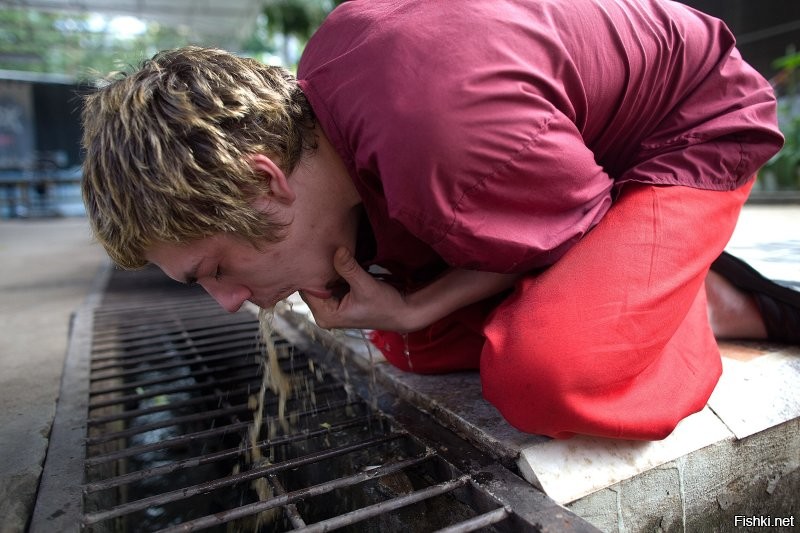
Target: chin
(283, 295)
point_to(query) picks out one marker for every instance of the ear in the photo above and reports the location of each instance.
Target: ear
(277, 182)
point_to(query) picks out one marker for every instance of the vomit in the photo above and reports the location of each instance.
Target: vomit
(285, 387)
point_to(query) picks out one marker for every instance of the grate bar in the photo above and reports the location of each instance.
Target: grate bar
(210, 458)
(291, 497)
(291, 509)
(159, 381)
(142, 313)
(191, 357)
(199, 373)
(171, 442)
(155, 343)
(148, 304)
(227, 481)
(384, 507)
(206, 415)
(200, 400)
(227, 343)
(478, 522)
(320, 391)
(141, 321)
(161, 470)
(132, 324)
(157, 337)
(175, 421)
(96, 403)
(183, 439)
(147, 353)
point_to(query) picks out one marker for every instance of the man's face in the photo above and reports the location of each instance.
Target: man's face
(233, 271)
(320, 205)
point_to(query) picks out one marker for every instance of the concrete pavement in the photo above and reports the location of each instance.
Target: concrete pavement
(46, 269)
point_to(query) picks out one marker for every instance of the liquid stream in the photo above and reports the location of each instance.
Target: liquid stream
(275, 380)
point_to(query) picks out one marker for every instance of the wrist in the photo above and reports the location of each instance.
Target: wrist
(417, 313)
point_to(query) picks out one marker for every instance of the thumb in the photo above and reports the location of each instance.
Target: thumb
(347, 267)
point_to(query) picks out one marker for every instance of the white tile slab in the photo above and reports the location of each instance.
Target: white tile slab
(567, 470)
(759, 392)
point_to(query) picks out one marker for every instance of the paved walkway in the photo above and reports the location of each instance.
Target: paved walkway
(768, 237)
(46, 269)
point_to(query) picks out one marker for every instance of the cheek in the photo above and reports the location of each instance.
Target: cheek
(267, 268)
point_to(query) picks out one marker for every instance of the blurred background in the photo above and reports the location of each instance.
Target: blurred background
(51, 50)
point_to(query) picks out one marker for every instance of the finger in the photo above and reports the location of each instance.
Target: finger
(347, 267)
(321, 310)
(315, 303)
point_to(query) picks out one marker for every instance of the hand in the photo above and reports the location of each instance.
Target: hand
(369, 304)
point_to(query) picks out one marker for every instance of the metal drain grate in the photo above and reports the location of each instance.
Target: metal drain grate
(151, 435)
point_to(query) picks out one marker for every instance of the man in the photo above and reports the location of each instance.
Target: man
(543, 185)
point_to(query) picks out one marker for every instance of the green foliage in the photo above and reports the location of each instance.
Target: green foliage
(75, 44)
(294, 17)
(285, 20)
(83, 45)
(788, 62)
(299, 18)
(783, 170)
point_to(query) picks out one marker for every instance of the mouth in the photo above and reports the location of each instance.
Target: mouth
(333, 289)
(322, 294)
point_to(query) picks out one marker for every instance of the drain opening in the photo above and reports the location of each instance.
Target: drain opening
(169, 403)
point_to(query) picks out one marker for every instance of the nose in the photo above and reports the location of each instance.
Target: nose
(230, 297)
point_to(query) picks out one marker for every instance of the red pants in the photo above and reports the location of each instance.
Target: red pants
(612, 340)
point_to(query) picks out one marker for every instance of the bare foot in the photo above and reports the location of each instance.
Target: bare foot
(733, 313)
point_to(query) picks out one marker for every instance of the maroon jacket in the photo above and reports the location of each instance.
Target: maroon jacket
(493, 134)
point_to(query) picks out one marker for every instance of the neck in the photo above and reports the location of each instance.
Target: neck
(333, 173)
(330, 199)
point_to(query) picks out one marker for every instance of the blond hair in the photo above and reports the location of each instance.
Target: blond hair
(167, 149)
